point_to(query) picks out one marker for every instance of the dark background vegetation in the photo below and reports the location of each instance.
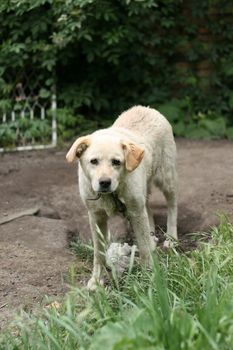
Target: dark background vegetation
(104, 56)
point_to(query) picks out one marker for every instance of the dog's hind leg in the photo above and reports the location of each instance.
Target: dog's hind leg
(171, 217)
(151, 222)
(166, 181)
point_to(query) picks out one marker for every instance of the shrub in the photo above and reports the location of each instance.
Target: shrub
(105, 56)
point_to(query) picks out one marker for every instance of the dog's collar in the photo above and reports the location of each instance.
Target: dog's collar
(120, 206)
(95, 198)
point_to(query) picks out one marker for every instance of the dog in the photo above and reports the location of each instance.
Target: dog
(117, 167)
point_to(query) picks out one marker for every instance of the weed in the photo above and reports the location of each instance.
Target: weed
(185, 302)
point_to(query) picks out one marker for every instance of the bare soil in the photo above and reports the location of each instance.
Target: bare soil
(34, 250)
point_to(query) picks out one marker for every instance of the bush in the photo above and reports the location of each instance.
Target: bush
(24, 131)
(105, 56)
(187, 123)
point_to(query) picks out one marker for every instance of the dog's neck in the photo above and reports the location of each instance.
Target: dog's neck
(119, 205)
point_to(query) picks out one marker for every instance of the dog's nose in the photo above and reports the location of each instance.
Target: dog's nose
(105, 183)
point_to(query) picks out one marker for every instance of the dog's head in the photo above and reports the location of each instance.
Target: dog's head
(104, 159)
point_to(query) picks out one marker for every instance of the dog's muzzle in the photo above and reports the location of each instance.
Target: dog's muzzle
(105, 184)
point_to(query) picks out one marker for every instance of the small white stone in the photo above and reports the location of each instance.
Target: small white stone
(118, 257)
(168, 244)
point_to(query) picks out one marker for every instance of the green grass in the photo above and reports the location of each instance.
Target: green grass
(185, 302)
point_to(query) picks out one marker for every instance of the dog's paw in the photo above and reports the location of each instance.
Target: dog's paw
(94, 283)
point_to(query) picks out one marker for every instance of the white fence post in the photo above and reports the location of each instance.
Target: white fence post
(54, 120)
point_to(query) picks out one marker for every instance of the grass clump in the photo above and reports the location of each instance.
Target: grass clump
(185, 302)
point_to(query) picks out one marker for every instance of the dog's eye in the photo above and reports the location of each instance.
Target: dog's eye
(116, 162)
(94, 161)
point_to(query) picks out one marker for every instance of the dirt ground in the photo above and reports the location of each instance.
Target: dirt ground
(34, 250)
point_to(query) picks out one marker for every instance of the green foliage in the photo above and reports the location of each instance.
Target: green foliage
(187, 123)
(69, 124)
(105, 56)
(24, 131)
(8, 135)
(185, 302)
(83, 251)
(26, 47)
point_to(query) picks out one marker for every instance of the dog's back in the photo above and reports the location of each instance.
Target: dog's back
(155, 130)
(145, 121)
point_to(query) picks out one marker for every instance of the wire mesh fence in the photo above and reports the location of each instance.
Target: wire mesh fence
(28, 114)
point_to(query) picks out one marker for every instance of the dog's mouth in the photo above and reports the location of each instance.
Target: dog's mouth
(99, 194)
(104, 191)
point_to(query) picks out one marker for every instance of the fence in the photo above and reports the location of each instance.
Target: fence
(28, 116)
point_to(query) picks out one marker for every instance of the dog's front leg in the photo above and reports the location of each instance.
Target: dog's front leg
(98, 225)
(139, 220)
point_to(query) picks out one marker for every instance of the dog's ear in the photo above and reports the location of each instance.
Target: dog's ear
(133, 155)
(78, 147)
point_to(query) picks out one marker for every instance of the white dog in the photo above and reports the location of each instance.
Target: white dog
(117, 167)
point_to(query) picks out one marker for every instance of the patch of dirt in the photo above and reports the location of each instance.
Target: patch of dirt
(34, 250)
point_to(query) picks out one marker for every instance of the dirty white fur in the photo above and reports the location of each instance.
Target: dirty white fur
(148, 130)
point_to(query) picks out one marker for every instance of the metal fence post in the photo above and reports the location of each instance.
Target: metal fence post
(54, 120)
